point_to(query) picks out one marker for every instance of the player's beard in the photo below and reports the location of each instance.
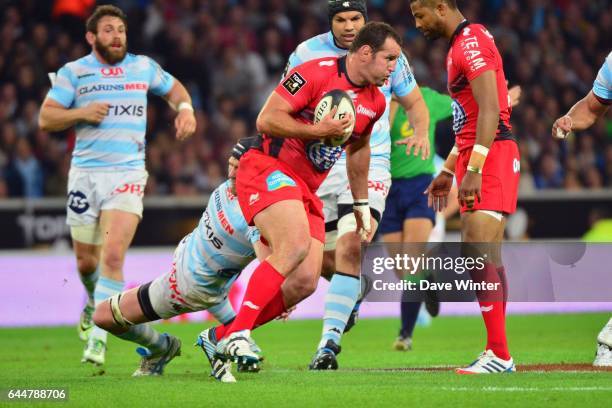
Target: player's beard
(435, 32)
(110, 55)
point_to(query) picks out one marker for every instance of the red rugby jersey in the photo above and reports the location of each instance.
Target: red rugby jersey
(472, 52)
(303, 88)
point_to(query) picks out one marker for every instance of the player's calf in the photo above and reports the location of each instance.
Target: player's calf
(297, 287)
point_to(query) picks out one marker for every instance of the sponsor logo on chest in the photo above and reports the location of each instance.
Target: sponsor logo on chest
(112, 72)
(362, 110)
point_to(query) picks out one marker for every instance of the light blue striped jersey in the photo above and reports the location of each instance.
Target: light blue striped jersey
(603, 83)
(401, 83)
(221, 245)
(118, 142)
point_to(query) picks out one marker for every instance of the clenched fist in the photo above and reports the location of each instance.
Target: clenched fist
(95, 112)
(185, 124)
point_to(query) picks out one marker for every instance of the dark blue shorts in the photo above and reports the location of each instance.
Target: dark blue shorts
(405, 201)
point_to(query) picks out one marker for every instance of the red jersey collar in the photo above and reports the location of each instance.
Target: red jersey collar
(460, 27)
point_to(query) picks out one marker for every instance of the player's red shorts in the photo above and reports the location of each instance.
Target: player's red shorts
(263, 180)
(500, 177)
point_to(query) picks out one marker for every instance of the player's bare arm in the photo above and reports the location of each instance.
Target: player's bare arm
(581, 116)
(484, 89)
(418, 114)
(357, 167)
(515, 95)
(275, 119)
(179, 99)
(54, 117)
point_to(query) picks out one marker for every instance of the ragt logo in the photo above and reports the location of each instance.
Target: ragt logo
(516, 166)
(115, 72)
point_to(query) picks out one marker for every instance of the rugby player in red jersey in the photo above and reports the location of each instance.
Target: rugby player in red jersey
(485, 158)
(276, 184)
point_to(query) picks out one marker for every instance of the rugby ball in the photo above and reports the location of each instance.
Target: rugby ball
(340, 99)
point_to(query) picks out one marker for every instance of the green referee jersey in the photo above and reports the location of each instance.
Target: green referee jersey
(408, 166)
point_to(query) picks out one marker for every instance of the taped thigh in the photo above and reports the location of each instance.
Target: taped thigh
(87, 234)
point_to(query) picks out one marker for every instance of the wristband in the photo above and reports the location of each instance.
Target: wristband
(363, 208)
(478, 156)
(447, 170)
(184, 105)
(474, 169)
(478, 148)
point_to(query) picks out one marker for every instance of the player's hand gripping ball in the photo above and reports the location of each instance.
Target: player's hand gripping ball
(343, 103)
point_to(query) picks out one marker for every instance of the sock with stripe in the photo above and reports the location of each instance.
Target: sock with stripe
(105, 288)
(89, 281)
(273, 309)
(144, 335)
(263, 286)
(493, 312)
(340, 300)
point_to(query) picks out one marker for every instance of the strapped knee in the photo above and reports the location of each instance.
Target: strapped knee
(117, 315)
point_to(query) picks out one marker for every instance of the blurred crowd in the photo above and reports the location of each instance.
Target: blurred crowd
(231, 53)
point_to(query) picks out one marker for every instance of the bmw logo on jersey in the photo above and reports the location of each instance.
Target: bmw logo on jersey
(459, 117)
(322, 156)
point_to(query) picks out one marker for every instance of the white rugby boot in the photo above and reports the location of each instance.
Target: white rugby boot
(488, 363)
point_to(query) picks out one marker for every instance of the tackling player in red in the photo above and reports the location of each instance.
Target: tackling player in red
(485, 158)
(277, 184)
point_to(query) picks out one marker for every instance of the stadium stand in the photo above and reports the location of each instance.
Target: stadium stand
(231, 53)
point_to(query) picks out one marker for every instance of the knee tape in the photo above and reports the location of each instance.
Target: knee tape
(117, 315)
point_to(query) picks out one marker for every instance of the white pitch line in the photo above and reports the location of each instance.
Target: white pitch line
(525, 389)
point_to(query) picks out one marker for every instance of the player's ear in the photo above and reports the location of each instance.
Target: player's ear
(91, 38)
(365, 51)
(441, 8)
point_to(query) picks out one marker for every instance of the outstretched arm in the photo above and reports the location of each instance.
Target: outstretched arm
(418, 114)
(581, 116)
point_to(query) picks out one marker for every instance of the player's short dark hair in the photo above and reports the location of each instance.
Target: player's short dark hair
(374, 34)
(431, 3)
(103, 11)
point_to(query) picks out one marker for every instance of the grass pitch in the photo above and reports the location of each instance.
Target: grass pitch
(370, 373)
